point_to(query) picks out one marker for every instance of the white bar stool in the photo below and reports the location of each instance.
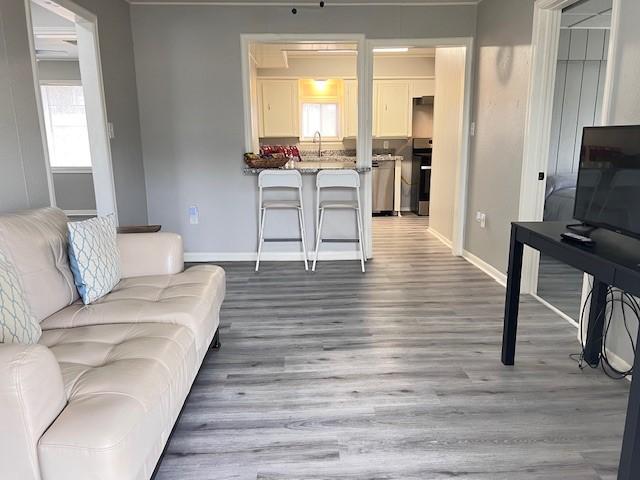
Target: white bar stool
(281, 179)
(338, 179)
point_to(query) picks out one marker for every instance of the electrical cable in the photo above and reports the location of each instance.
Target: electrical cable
(628, 305)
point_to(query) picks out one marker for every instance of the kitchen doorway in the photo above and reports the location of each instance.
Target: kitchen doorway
(420, 132)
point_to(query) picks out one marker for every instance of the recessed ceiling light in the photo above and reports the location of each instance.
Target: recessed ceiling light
(391, 49)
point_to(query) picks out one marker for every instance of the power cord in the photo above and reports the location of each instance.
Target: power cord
(613, 298)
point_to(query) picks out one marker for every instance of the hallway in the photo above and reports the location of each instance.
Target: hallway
(392, 374)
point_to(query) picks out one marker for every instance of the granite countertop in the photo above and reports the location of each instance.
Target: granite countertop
(313, 164)
(314, 167)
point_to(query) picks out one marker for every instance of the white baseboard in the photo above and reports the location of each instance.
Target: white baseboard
(555, 310)
(490, 270)
(266, 256)
(440, 237)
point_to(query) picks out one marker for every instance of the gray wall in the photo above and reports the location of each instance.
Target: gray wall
(625, 110)
(189, 86)
(74, 191)
(23, 178)
(502, 81)
(56, 70)
(118, 71)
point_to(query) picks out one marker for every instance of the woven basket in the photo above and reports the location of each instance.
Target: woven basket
(266, 162)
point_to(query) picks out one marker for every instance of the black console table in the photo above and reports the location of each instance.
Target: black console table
(614, 260)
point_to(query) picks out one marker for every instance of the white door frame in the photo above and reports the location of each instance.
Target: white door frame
(544, 58)
(461, 183)
(91, 71)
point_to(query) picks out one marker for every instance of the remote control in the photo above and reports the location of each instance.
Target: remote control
(576, 238)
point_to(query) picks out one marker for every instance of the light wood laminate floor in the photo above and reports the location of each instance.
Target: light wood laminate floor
(394, 374)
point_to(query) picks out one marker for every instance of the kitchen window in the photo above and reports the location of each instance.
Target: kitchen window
(66, 126)
(320, 117)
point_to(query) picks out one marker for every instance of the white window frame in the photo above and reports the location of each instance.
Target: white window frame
(64, 83)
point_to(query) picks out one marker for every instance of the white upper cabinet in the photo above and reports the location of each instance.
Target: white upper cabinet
(350, 108)
(392, 108)
(279, 108)
(423, 87)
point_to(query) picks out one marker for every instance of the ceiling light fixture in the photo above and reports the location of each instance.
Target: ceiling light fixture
(391, 50)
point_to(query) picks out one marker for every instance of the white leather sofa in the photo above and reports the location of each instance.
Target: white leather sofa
(97, 398)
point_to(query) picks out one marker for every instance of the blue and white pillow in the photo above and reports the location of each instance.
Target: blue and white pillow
(17, 324)
(94, 257)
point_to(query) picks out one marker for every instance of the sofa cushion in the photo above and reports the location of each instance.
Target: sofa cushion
(94, 258)
(191, 298)
(125, 385)
(17, 324)
(35, 242)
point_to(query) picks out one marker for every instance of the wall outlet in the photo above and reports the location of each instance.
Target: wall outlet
(385, 144)
(194, 215)
(481, 218)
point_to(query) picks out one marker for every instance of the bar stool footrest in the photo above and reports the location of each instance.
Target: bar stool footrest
(282, 239)
(340, 240)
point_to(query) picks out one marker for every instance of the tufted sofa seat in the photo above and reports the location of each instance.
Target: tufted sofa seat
(98, 397)
(188, 298)
(122, 382)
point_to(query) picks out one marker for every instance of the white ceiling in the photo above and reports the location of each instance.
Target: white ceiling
(55, 36)
(588, 14)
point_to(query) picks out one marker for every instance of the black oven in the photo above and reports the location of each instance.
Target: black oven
(421, 175)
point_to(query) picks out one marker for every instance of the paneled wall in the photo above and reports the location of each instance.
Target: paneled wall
(578, 94)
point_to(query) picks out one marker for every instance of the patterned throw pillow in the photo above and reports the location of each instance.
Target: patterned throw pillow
(94, 257)
(17, 325)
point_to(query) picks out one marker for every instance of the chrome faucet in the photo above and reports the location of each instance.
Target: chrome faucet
(319, 135)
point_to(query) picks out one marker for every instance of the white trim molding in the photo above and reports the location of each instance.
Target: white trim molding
(85, 170)
(554, 309)
(440, 237)
(81, 213)
(490, 270)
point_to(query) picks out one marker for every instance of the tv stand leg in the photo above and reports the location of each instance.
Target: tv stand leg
(629, 468)
(512, 300)
(593, 344)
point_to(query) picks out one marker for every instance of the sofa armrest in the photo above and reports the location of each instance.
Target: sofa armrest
(150, 254)
(31, 397)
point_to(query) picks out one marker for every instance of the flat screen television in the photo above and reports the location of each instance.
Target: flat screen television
(608, 189)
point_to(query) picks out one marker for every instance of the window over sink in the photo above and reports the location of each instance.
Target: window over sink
(319, 117)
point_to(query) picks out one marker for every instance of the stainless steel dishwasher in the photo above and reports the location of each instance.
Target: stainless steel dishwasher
(383, 186)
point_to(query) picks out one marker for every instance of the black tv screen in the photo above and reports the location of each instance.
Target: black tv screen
(608, 190)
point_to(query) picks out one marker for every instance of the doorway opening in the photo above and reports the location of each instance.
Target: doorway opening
(577, 103)
(68, 80)
(420, 130)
